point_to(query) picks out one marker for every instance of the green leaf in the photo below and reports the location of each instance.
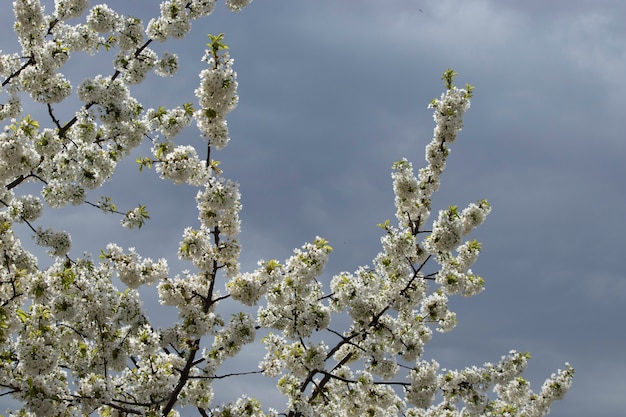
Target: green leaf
(271, 265)
(384, 225)
(144, 162)
(214, 165)
(448, 78)
(475, 245)
(29, 126)
(210, 113)
(143, 213)
(453, 211)
(160, 112)
(22, 315)
(216, 44)
(188, 107)
(401, 165)
(321, 243)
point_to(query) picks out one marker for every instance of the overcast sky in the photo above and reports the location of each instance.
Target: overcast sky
(333, 92)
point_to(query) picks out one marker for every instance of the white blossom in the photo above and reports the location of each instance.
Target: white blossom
(102, 18)
(134, 270)
(130, 33)
(134, 68)
(237, 5)
(29, 22)
(169, 122)
(218, 96)
(68, 9)
(181, 165)
(200, 8)
(167, 65)
(17, 154)
(45, 86)
(58, 242)
(26, 208)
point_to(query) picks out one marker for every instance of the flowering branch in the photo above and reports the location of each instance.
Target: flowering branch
(73, 343)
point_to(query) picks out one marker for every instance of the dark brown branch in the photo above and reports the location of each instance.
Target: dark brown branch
(351, 381)
(31, 61)
(54, 119)
(15, 182)
(63, 130)
(227, 375)
(208, 302)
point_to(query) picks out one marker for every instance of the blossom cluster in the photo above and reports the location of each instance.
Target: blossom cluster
(132, 270)
(217, 94)
(180, 164)
(294, 303)
(68, 335)
(392, 309)
(18, 155)
(58, 242)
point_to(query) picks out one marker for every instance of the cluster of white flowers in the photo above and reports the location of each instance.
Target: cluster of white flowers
(413, 194)
(154, 376)
(423, 388)
(68, 9)
(134, 68)
(18, 265)
(219, 206)
(176, 16)
(101, 18)
(180, 164)
(391, 310)
(132, 270)
(30, 22)
(72, 168)
(452, 226)
(25, 208)
(11, 106)
(17, 153)
(470, 387)
(72, 342)
(217, 95)
(244, 406)
(214, 245)
(45, 87)
(58, 194)
(76, 317)
(197, 393)
(296, 358)
(58, 242)
(167, 65)
(364, 396)
(294, 303)
(134, 218)
(79, 323)
(229, 341)
(237, 5)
